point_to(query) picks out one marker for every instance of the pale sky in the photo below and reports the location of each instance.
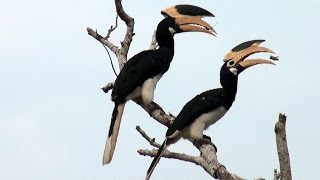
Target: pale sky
(54, 118)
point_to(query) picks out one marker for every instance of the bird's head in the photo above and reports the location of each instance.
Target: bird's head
(236, 60)
(186, 18)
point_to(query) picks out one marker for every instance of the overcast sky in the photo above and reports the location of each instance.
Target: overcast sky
(54, 118)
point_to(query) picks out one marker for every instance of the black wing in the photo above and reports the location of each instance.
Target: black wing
(139, 68)
(202, 103)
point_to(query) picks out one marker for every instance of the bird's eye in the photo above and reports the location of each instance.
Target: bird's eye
(230, 63)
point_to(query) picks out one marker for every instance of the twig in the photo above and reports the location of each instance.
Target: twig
(106, 38)
(106, 42)
(169, 155)
(112, 28)
(282, 147)
(125, 44)
(148, 138)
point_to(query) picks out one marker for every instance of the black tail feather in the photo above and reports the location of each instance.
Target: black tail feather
(157, 158)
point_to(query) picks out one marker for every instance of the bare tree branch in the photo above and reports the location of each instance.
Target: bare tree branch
(122, 14)
(207, 159)
(153, 44)
(112, 28)
(156, 112)
(169, 155)
(125, 44)
(104, 41)
(148, 138)
(282, 147)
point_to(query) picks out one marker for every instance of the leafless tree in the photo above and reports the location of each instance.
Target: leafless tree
(207, 159)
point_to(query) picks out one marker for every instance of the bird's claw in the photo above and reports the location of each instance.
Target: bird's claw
(107, 87)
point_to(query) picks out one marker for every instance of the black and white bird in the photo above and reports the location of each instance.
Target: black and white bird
(142, 72)
(208, 107)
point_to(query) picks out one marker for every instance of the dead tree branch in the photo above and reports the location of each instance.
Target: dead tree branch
(207, 159)
(153, 44)
(282, 147)
(122, 52)
(112, 28)
(156, 112)
(169, 155)
(148, 138)
(125, 44)
(102, 40)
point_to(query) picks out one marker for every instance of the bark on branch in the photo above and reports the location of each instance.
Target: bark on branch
(125, 44)
(282, 147)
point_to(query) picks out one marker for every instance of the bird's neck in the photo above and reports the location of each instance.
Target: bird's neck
(168, 43)
(230, 89)
(164, 37)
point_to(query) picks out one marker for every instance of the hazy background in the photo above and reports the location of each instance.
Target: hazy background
(54, 118)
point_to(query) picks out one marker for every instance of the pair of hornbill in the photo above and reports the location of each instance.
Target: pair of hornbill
(142, 72)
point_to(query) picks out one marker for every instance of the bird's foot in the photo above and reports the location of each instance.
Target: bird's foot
(206, 137)
(107, 87)
(206, 140)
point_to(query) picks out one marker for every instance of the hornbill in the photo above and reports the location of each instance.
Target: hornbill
(141, 73)
(208, 107)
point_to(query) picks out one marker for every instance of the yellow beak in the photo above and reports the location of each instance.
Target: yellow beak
(239, 54)
(189, 18)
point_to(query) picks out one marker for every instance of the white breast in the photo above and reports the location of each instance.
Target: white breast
(195, 130)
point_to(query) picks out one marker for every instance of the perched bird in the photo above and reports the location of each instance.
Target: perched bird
(142, 72)
(208, 107)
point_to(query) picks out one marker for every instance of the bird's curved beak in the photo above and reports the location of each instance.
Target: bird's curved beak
(189, 18)
(239, 54)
